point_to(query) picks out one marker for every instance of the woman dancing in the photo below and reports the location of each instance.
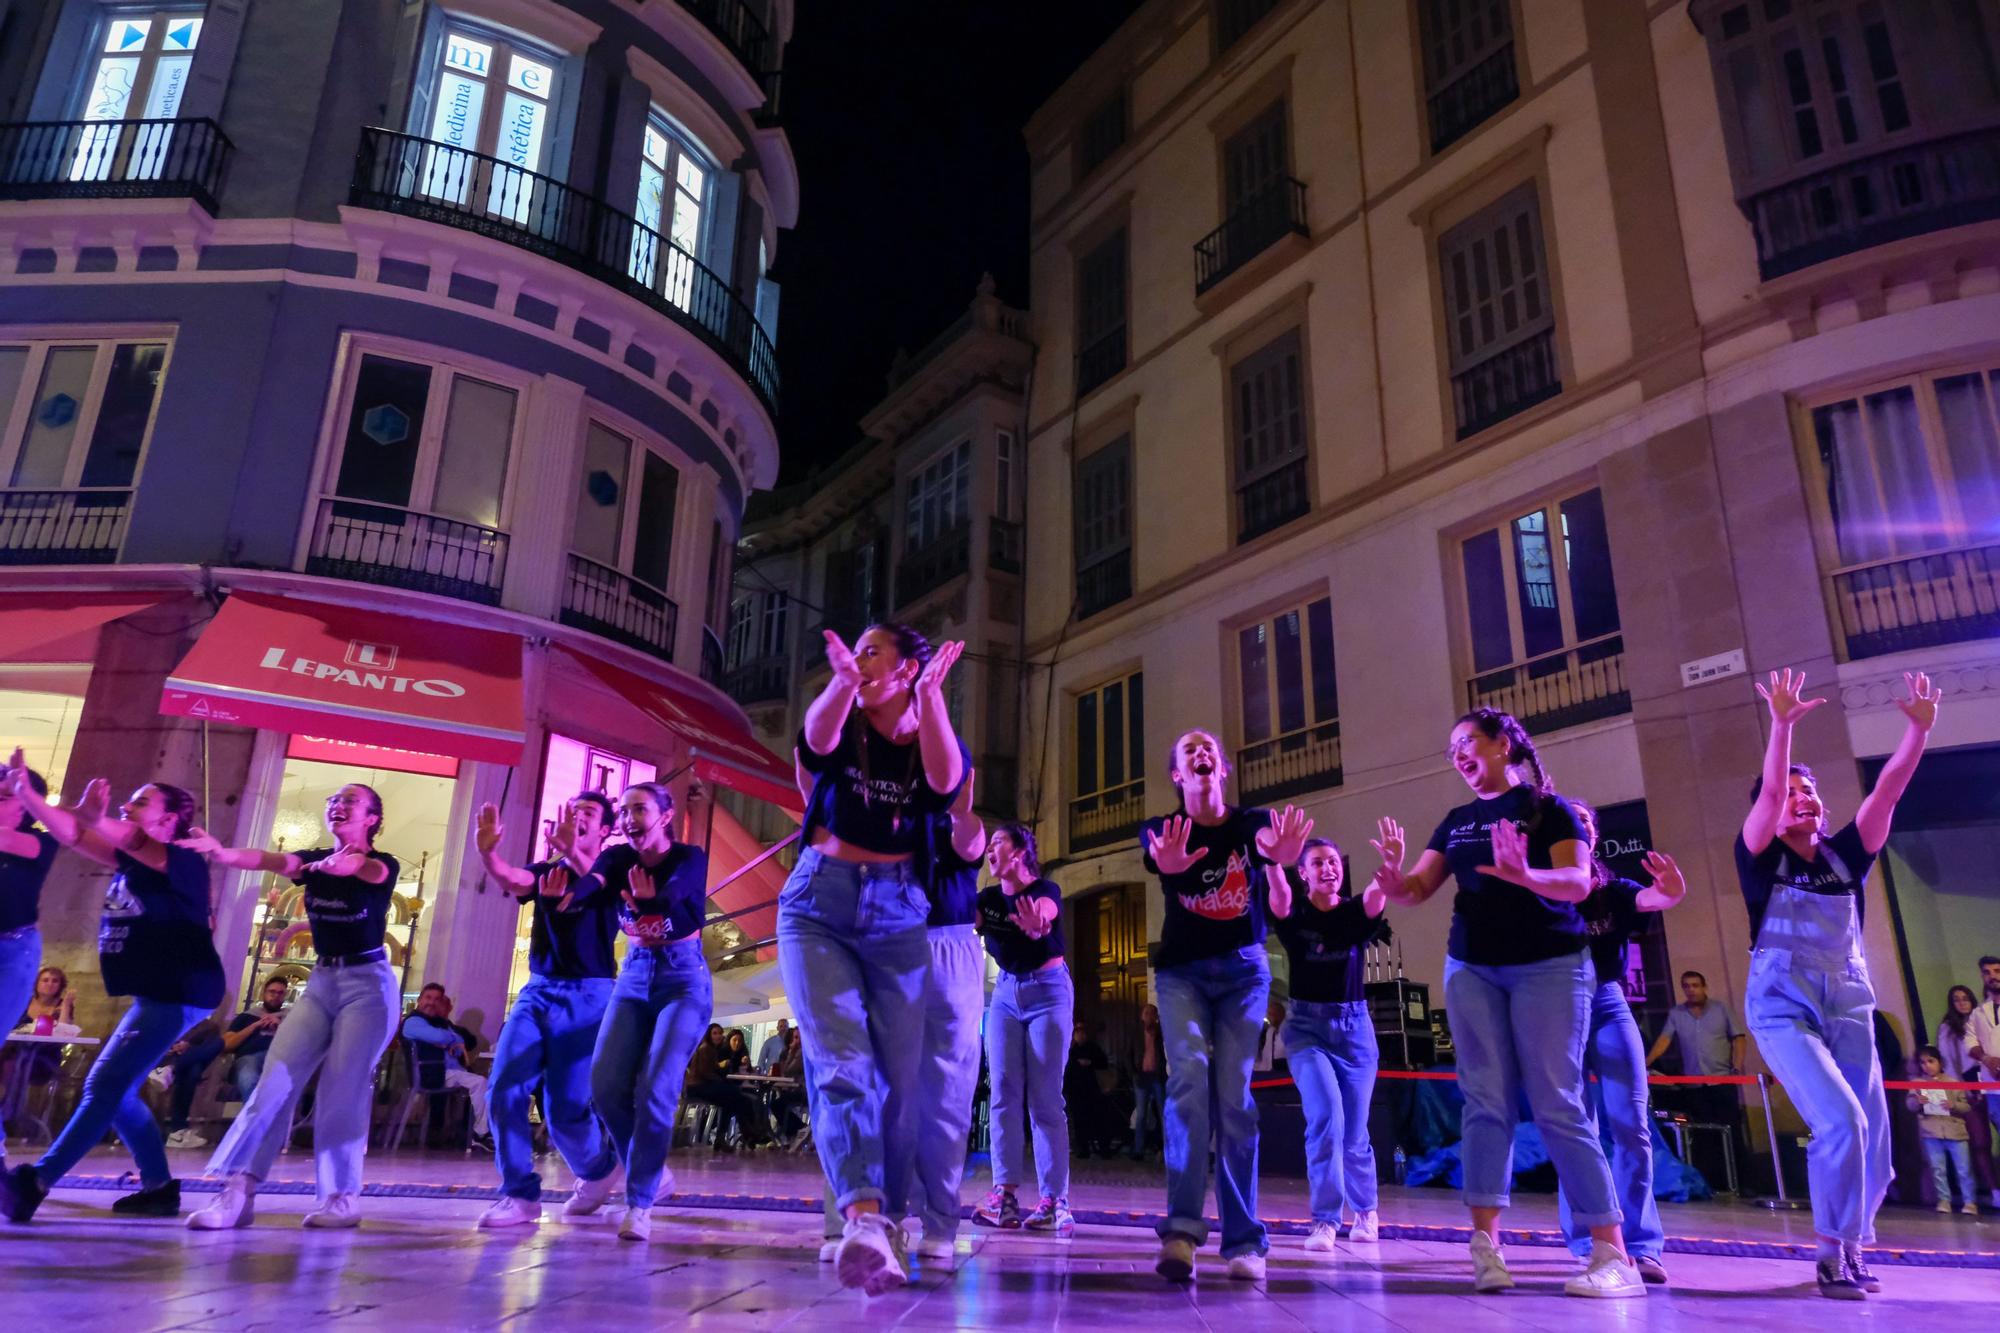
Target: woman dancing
(1518, 985)
(1809, 1002)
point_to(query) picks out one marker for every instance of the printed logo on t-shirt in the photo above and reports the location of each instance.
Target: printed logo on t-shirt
(1227, 900)
(119, 902)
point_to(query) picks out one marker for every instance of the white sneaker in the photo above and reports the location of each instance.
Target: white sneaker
(508, 1211)
(590, 1195)
(638, 1225)
(338, 1213)
(871, 1255)
(1247, 1268)
(1489, 1266)
(1610, 1276)
(1943, 1205)
(1324, 1237)
(828, 1249)
(938, 1255)
(235, 1207)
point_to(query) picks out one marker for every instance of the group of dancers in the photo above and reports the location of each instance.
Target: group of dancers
(881, 926)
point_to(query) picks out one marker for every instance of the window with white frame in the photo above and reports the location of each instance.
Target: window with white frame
(1006, 476)
(674, 184)
(76, 415)
(137, 71)
(494, 96)
(939, 498)
(771, 633)
(742, 615)
(428, 438)
(1289, 701)
(625, 506)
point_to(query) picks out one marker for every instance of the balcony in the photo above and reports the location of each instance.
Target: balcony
(113, 159)
(1464, 104)
(1102, 358)
(619, 607)
(934, 564)
(1106, 817)
(1925, 187)
(1560, 689)
(404, 548)
(738, 28)
(1003, 545)
(1103, 584)
(1259, 222)
(711, 657)
(1919, 601)
(62, 527)
(758, 681)
(1298, 761)
(401, 173)
(1511, 380)
(1272, 500)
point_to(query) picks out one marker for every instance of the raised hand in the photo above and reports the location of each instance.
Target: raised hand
(930, 681)
(486, 834)
(1388, 844)
(96, 799)
(562, 833)
(1666, 876)
(344, 861)
(1922, 705)
(962, 803)
(554, 882)
(200, 840)
(640, 885)
(1510, 853)
(1026, 918)
(1169, 847)
(846, 671)
(1783, 696)
(1292, 826)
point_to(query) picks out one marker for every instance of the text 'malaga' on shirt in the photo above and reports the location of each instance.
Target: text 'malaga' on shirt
(1217, 905)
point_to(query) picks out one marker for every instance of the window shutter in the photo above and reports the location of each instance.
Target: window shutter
(1495, 279)
(1103, 503)
(1269, 409)
(1254, 158)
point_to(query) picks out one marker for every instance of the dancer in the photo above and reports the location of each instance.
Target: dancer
(663, 996)
(1330, 1041)
(26, 853)
(1615, 1052)
(1213, 982)
(852, 942)
(552, 1029)
(1809, 1002)
(954, 997)
(153, 945)
(1518, 984)
(1027, 1033)
(338, 1026)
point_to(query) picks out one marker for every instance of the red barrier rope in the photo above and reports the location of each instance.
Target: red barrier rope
(1737, 1080)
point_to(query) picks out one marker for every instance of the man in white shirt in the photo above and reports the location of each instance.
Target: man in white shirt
(773, 1049)
(1982, 1033)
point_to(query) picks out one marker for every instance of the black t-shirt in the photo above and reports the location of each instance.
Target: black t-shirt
(870, 791)
(1216, 905)
(153, 941)
(680, 892)
(258, 1044)
(1779, 864)
(348, 914)
(1325, 948)
(21, 882)
(573, 937)
(1493, 921)
(1013, 949)
(951, 881)
(1611, 917)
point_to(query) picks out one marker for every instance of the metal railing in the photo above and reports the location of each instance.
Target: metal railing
(934, 564)
(1108, 816)
(1559, 689)
(402, 173)
(619, 607)
(1298, 761)
(406, 548)
(1919, 601)
(1464, 104)
(738, 28)
(711, 657)
(1272, 500)
(1104, 583)
(1003, 545)
(113, 159)
(1924, 187)
(62, 527)
(1259, 222)
(1102, 359)
(1507, 382)
(758, 681)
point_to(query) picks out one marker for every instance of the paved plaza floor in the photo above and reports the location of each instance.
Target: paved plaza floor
(736, 1249)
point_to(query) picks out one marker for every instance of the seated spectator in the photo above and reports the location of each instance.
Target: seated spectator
(32, 1066)
(789, 1105)
(440, 1051)
(773, 1049)
(247, 1037)
(708, 1082)
(53, 999)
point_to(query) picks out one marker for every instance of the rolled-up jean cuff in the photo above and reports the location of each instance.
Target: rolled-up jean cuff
(1194, 1228)
(1610, 1219)
(1487, 1200)
(866, 1194)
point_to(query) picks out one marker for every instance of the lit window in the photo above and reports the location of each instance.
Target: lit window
(140, 73)
(1290, 703)
(667, 245)
(491, 98)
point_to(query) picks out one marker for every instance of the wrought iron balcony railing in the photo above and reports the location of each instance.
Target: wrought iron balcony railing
(934, 564)
(1272, 500)
(759, 681)
(1104, 583)
(1465, 103)
(113, 159)
(619, 607)
(1507, 382)
(406, 548)
(1276, 211)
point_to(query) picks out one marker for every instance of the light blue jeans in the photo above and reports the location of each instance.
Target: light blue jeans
(1814, 1021)
(658, 1013)
(1027, 1045)
(1333, 1057)
(20, 960)
(1211, 1014)
(1148, 1095)
(1521, 1027)
(854, 953)
(954, 995)
(1958, 1153)
(1617, 1055)
(550, 1035)
(340, 1026)
(111, 1094)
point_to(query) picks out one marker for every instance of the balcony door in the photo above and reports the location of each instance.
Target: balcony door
(139, 72)
(674, 186)
(492, 105)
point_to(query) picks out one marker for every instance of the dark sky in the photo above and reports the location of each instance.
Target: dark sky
(906, 118)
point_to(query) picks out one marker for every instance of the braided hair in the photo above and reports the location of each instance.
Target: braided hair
(1521, 753)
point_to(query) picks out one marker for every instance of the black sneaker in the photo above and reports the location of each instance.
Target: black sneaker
(483, 1142)
(159, 1201)
(1859, 1271)
(21, 1192)
(1651, 1271)
(1836, 1283)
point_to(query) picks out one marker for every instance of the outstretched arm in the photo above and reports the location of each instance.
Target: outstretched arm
(1667, 888)
(827, 713)
(1390, 881)
(242, 858)
(1878, 809)
(76, 828)
(486, 837)
(1761, 824)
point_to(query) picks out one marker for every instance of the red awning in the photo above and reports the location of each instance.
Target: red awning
(39, 626)
(294, 665)
(717, 735)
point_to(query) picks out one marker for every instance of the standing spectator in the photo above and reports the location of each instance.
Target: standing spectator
(435, 1041)
(1084, 1095)
(1711, 1043)
(1985, 1041)
(248, 1037)
(773, 1049)
(1149, 1080)
(1942, 1114)
(1954, 1042)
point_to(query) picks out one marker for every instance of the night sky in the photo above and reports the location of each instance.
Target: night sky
(906, 118)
